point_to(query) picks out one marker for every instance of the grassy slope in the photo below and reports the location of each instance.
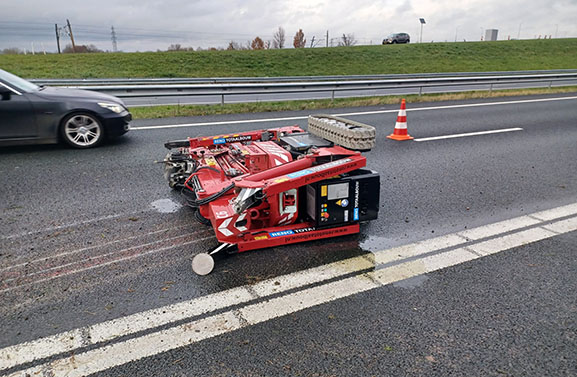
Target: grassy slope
(412, 58)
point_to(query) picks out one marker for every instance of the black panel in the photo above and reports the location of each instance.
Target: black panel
(350, 198)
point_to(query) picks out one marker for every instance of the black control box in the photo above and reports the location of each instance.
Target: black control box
(349, 198)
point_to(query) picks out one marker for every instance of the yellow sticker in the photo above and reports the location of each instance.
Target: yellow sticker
(261, 238)
(324, 190)
(280, 180)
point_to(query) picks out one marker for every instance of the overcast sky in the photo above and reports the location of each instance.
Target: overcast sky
(144, 25)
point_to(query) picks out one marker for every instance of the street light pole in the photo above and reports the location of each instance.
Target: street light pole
(422, 21)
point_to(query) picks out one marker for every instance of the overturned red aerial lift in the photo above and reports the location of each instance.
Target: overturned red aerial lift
(276, 186)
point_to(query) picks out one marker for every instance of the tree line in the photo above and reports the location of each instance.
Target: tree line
(278, 41)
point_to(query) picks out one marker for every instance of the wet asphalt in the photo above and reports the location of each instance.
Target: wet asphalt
(90, 235)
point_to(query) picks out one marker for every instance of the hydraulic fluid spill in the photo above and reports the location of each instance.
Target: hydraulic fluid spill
(165, 206)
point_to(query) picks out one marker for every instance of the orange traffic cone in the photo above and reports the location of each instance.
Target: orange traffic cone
(400, 132)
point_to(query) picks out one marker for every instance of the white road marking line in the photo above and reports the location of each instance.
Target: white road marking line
(500, 227)
(468, 134)
(510, 241)
(418, 248)
(563, 226)
(555, 213)
(282, 119)
(124, 352)
(442, 107)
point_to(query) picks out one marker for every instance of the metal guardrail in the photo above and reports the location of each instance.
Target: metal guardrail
(222, 90)
(222, 80)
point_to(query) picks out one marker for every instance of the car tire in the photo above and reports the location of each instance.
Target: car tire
(82, 130)
(394, 42)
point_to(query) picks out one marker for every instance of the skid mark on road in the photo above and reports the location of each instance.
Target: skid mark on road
(275, 297)
(65, 254)
(24, 278)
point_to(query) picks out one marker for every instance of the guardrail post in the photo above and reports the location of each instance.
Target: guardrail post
(222, 99)
(332, 96)
(420, 90)
(490, 88)
(550, 83)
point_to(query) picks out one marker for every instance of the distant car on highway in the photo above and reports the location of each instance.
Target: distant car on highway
(397, 38)
(31, 114)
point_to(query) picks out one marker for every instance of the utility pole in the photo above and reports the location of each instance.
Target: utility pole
(327, 38)
(114, 41)
(71, 36)
(422, 21)
(57, 37)
(312, 41)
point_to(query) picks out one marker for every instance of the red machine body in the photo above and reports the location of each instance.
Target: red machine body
(253, 188)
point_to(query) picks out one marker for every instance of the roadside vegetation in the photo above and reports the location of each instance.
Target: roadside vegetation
(355, 60)
(168, 111)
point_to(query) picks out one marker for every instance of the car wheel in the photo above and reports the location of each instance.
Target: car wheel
(82, 130)
(394, 42)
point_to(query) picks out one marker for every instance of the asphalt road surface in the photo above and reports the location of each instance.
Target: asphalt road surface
(243, 98)
(469, 270)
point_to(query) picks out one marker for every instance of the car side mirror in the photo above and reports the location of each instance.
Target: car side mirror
(5, 93)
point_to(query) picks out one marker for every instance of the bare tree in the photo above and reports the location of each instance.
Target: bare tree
(257, 44)
(299, 40)
(81, 49)
(278, 38)
(175, 47)
(348, 40)
(232, 45)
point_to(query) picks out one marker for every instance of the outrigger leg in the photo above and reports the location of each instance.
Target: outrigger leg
(203, 263)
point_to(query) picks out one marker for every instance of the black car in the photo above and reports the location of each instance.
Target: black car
(31, 114)
(397, 38)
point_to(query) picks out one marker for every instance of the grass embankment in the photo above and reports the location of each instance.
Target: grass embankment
(411, 58)
(237, 108)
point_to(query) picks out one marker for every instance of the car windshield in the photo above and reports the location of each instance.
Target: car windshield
(17, 83)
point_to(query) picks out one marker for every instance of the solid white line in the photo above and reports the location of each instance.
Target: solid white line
(157, 342)
(468, 134)
(173, 338)
(222, 123)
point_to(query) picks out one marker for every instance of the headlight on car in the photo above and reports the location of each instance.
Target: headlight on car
(112, 107)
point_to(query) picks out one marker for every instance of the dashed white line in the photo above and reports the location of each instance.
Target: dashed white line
(453, 136)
